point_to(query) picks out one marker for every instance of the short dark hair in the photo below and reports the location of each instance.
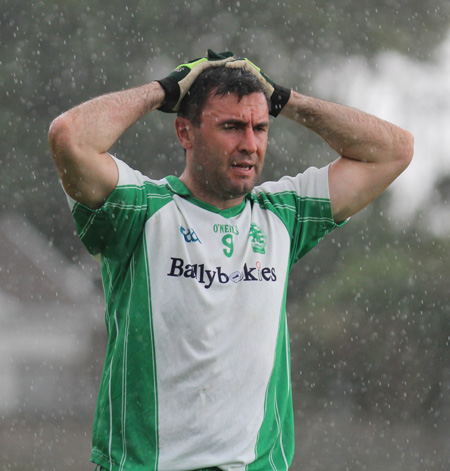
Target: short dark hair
(218, 81)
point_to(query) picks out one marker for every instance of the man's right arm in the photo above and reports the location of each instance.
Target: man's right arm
(81, 138)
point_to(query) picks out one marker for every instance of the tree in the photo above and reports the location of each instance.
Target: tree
(57, 54)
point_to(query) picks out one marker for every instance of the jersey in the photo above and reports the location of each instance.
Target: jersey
(197, 367)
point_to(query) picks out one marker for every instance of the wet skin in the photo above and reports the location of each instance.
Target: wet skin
(225, 154)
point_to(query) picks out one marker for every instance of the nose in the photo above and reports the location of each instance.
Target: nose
(248, 141)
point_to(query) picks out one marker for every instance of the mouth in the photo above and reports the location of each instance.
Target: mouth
(243, 170)
(243, 166)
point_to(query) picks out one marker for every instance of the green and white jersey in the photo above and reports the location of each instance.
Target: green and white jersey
(197, 369)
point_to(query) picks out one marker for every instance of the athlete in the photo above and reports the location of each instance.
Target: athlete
(195, 268)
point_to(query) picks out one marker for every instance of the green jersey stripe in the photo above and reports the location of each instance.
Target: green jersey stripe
(124, 371)
(110, 397)
(152, 347)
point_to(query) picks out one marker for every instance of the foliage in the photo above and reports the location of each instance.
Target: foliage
(57, 54)
(372, 310)
(374, 331)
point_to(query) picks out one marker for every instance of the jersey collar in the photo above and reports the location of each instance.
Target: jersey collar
(178, 187)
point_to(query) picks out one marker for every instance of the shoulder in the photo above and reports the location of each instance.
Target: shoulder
(289, 191)
(133, 180)
(297, 200)
(313, 183)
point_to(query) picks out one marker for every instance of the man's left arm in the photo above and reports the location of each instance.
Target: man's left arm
(373, 152)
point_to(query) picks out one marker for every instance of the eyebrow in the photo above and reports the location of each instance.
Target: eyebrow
(241, 122)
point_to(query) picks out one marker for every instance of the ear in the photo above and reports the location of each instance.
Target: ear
(183, 128)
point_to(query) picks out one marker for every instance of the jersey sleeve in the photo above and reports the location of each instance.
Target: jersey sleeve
(303, 204)
(114, 229)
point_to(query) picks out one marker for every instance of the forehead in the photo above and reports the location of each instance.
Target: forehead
(229, 106)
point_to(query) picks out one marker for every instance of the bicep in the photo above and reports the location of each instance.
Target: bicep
(87, 177)
(89, 181)
(355, 184)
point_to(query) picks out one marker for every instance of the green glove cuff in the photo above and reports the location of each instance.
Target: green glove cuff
(278, 100)
(218, 56)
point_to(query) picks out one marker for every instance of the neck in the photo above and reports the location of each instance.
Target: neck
(220, 202)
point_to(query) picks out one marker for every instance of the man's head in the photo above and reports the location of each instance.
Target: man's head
(218, 81)
(223, 126)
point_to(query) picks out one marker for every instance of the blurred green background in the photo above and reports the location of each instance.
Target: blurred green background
(369, 309)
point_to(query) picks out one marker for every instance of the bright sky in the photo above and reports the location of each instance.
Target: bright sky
(414, 95)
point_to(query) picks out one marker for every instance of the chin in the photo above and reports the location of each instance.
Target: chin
(242, 190)
(237, 188)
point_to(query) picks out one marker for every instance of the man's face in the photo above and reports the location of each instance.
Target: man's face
(225, 154)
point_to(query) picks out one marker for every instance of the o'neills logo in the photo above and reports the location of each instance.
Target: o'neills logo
(203, 275)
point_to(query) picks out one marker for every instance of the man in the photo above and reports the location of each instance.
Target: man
(195, 269)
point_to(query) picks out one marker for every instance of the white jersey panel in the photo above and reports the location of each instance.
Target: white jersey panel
(214, 262)
(303, 184)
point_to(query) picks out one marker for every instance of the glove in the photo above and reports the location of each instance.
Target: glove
(177, 84)
(278, 95)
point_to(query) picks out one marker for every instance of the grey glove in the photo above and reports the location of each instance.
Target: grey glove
(177, 84)
(278, 95)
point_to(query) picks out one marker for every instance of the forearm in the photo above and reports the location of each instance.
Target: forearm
(97, 124)
(353, 134)
(81, 138)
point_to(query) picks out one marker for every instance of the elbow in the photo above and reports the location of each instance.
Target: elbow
(59, 135)
(406, 149)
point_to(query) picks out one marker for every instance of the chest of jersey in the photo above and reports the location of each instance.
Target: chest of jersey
(203, 247)
(217, 294)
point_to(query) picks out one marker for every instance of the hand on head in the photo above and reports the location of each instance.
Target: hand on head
(178, 83)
